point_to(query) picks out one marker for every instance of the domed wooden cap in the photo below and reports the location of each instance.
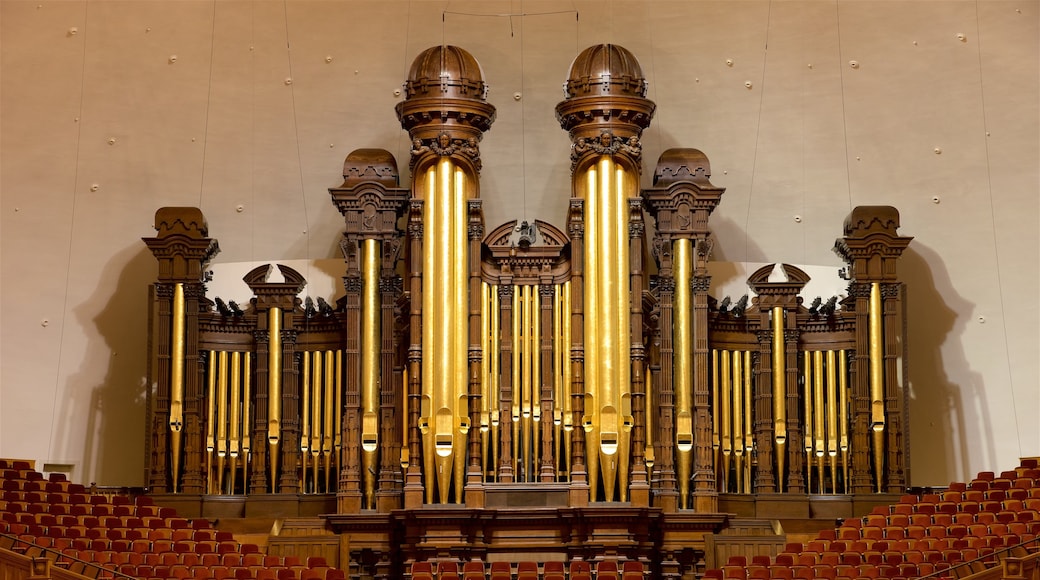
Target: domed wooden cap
(445, 97)
(446, 71)
(605, 69)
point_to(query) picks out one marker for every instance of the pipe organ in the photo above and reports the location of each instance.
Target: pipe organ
(461, 365)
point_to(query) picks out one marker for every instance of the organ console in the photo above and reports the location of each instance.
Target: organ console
(585, 369)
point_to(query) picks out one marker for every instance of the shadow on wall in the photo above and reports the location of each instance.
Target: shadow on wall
(949, 416)
(114, 434)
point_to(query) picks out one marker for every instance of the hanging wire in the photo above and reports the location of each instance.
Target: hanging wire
(993, 228)
(209, 97)
(72, 222)
(844, 115)
(296, 131)
(252, 124)
(758, 131)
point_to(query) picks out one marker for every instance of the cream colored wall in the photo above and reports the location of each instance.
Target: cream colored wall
(90, 94)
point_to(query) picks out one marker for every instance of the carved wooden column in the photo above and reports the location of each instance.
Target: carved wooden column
(639, 486)
(182, 249)
(681, 199)
(579, 483)
(871, 247)
(414, 491)
(371, 204)
(547, 466)
(505, 402)
(475, 470)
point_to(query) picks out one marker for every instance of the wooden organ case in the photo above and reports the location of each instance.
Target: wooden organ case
(535, 391)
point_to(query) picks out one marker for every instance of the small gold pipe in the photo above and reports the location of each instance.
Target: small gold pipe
(177, 348)
(232, 470)
(648, 458)
(405, 459)
(527, 380)
(495, 365)
(316, 380)
(536, 381)
(211, 404)
(877, 384)
(222, 404)
(337, 425)
(779, 395)
(819, 422)
(485, 378)
(559, 363)
(236, 400)
(274, 375)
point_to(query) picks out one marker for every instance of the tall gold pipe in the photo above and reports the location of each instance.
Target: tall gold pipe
(749, 437)
(682, 344)
(536, 380)
(526, 358)
(211, 417)
(337, 425)
(559, 363)
(877, 381)
(808, 427)
(485, 377)
(329, 406)
(247, 425)
(738, 417)
(818, 413)
(222, 404)
(568, 413)
(843, 410)
(726, 395)
(626, 183)
(779, 394)
(832, 419)
(234, 435)
(274, 374)
(496, 395)
(592, 321)
(371, 347)
(716, 440)
(460, 331)
(177, 346)
(305, 432)
(515, 405)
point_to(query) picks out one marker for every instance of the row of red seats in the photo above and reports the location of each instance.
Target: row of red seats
(920, 535)
(528, 570)
(132, 536)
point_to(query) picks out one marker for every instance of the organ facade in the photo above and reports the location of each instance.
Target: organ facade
(569, 389)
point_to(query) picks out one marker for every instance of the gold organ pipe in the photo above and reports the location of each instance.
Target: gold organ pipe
(749, 437)
(651, 410)
(843, 417)
(236, 402)
(832, 418)
(592, 323)
(818, 413)
(625, 183)
(779, 394)
(329, 406)
(177, 347)
(496, 394)
(808, 427)
(222, 404)
(316, 377)
(526, 357)
(211, 394)
(518, 342)
(877, 380)
(716, 442)
(247, 394)
(818, 404)
(536, 353)
(460, 320)
(305, 432)
(337, 425)
(211, 404)
(274, 374)
(738, 417)
(485, 377)
(682, 329)
(434, 290)
(371, 347)
(727, 414)
(404, 419)
(568, 413)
